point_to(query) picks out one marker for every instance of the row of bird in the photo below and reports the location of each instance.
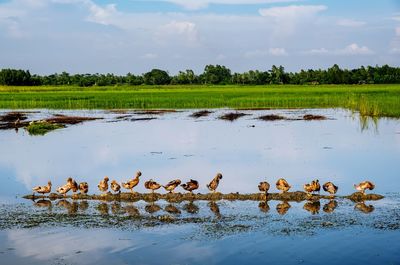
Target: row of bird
(189, 186)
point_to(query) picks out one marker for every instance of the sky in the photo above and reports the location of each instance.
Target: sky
(121, 36)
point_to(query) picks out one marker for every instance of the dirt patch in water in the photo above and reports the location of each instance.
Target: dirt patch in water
(69, 120)
(272, 117)
(311, 117)
(143, 119)
(199, 114)
(232, 116)
(155, 112)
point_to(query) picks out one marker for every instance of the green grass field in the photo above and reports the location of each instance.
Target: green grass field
(369, 100)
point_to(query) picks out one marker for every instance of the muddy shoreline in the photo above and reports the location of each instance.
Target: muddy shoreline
(297, 196)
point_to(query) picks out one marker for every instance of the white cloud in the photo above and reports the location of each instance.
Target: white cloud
(183, 29)
(350, 23)
(355, 49)
(277, 52)
(292, 11)
(395, 51)
(317, 51)
(150, 56)
(199, 4)
(264, 53)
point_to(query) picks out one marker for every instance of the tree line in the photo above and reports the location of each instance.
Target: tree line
(213, 75)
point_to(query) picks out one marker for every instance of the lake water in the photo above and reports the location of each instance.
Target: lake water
(173, 145)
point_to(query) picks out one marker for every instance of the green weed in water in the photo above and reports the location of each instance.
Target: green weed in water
(41, 128)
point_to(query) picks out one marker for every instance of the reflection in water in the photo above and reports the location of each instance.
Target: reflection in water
(152, 208)
(43, 204)
(264, 207)
(83, 206)
(103, 208)
(362, 207)
(116, 208)
(214, 208)
(283, 207)
(330, 206)
(72, 208)
(131, 210)
(170, 208)
(312, 207)
(366, 122)
(191, 208)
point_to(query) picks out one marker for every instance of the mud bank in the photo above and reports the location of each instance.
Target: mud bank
(297, 196)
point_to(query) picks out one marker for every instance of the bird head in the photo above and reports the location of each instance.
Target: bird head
(106, 178)
(138, 174)
(219, 175)
(49, 183)
(69, 179)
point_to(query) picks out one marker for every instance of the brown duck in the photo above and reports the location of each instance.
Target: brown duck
(66, 187)
(172, 185)
(330, 187)
(282, 185)
(312, 187)
(103, 185)
(42, 189)
(74, 185)
(83, 187)
(365, 185)
(152, 185)
(191, 185)
(213, 185)
(263, 187)
(132, 183)
(115, 186)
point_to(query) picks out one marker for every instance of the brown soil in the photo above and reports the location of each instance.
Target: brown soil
(202, 113)
(143, 119)
(311, 117)
(232, 116)
(155, 112)
(272, 117)
(64, 120)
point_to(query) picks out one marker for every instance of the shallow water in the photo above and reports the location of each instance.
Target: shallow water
(174, 145)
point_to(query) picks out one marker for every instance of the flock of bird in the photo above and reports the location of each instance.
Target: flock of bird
(189, 186)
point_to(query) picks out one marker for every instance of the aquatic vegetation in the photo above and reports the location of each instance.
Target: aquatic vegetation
(42, 127)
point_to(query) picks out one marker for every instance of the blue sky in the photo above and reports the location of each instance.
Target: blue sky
(88, 36)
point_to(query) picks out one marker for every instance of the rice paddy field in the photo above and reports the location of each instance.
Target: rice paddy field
(369, 100)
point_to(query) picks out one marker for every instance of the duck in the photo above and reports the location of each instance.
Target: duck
(214, 208)
(43, 203)
(152, 185)
(213, 185)
(282, 185)
(263, 187)
(73, 184)
(115, 186)
(316, 186)
(83, 187)
(312, 187)
(191, 185)
(365, 185)
(172, 185)
(330, 187)
(103, 185)
(42, 189)
(65, 188)
(132, 183)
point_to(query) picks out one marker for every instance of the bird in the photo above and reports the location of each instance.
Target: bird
(263, 187)
(172, 185)
(365, 185)
(312, 187)
(132, 183)
(264, 207)
(152, 185)
(83, 187)
(282, 185)
(316, 186)
(191, 185)
(115, 186)
(103, 185)
(74, 185)
(64, 189)
(215, 209)
(42, 189)
(330, 187)
(213, 185)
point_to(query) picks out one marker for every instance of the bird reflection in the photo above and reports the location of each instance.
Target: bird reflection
(102, 208)
(152, 208)
(83, 206)
(264, 207)
(362, 207)
(330, 206)
(191, 208)
(170, 208)
(72, 208)
(131, 210)
(116, 208)
(283, 207)
(43, 204)
(214, 208)
(312, 207)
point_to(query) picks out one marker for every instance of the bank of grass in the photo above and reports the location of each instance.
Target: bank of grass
(41, 128)
(370, 100)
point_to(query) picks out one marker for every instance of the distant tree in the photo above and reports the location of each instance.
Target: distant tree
(157, 77)
(13, 77)
(217, 74)
(186, 77)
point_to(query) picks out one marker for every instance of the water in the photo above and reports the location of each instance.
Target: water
(174, 145)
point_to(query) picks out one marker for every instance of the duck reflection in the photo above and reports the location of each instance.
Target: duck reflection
(152, 208)
(170, 208)
(72, 208)
(102, 208)
(191, 208)
(283, 207)
(264, 207)
(131, 210)
(312, 207)
(362, 207)
(42, 203)
(330, 206)
(214, 208)
(116, 208)
(83, 206)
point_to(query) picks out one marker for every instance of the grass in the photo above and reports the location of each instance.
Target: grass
(369, 100)
(41, 128)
